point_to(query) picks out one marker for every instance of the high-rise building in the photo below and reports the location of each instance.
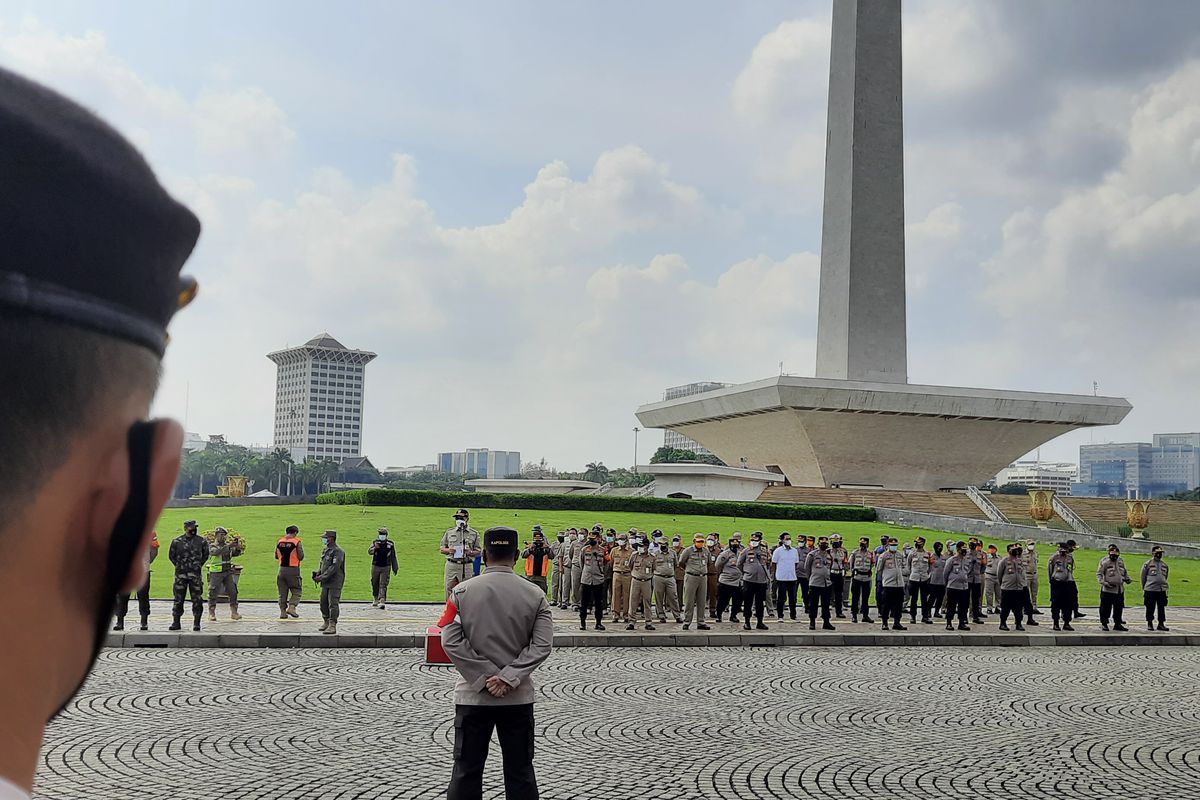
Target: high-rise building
(1171, 463)
(319, 399)
(481, 462)
(677, 440)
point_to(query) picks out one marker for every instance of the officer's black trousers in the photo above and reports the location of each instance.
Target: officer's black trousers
(893, 604)
(976, 590)
(143, 598)
(818, 596)
(956, 603)
(473, 727)
(785, 594)
(937, 595)
(836, 591)
(1112, 603)
(729, 597)
(1013, 600)
(1064, 599)
(919, 589)
(879, 595)
(592, 596)
(1155, 601)
(754, 595)
(860, 599)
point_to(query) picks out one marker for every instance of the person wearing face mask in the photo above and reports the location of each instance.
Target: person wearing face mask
(978, 567)
(188, 553)
(90, 280)
(641, 570)
(785, 560)
(772, 585)
(956, 576)
(806, 544)
(1071, 548)
(920, 570)
(610, 541)
(991, 584)
(1112, 576)
(621, 577)
(891, 567)
(819, 564)
(666, 597)
(1064, 593)
(460, 545)
(223, 572)
(729, 580)
(880, 550)
(862, 564)
(714, 550)
(592, 559)
(537, 559)
(677, 547)
(840, 561)
(694, 560)
(331, 576)
(753, 563)
(1154, 589)
(560, 582)
(383, 566)
(937, 581)
(1014, 587)
(1031, 571)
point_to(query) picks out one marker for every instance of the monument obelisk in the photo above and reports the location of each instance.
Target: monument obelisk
(859, 422)
(861, 318)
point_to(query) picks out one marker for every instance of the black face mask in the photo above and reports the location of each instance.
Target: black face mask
(1112, 556)
(122, 548)
(824, 545)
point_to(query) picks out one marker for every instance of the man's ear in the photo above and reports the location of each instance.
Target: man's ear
(165, 456)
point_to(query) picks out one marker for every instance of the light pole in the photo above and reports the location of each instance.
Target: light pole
(635, 433)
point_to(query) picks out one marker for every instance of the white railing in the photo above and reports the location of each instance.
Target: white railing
(604, 489)
(1070, 517)
(986, 505)
(645, 491)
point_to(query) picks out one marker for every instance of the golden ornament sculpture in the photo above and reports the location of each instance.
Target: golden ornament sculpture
(1041, 506)
(1137, 514)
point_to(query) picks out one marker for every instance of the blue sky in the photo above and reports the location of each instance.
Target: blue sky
(541, 215)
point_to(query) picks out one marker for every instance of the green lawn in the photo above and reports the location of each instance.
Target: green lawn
(417, 532)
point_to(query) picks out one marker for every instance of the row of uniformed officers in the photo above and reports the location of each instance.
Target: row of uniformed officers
(645, 578)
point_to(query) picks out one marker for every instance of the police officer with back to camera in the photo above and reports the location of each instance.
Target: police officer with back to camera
(89, 281)
(460, 545)
(383, 566)
(188, 553)
(502, 633)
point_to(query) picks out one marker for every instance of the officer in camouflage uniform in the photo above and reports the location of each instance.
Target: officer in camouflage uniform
(460, 545)
(222, 574)
(188, 553)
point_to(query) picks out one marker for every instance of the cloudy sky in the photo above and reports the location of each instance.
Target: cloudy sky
(540, 215)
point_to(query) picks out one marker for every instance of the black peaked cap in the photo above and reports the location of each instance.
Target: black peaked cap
(88, 236)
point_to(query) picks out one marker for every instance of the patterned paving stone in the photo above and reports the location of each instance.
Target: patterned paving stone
(646, 723)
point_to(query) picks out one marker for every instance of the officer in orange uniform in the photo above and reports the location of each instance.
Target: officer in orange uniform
(289, 552)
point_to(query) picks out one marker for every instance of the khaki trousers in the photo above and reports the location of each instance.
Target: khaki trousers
(639, 600)
(695, 597)
(665, 597)
(620, 603)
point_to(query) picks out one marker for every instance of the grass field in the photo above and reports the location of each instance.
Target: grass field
(417, 532)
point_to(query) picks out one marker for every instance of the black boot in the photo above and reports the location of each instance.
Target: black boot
(145, 622)
(120, 626)
(174, 623)
(196, 622)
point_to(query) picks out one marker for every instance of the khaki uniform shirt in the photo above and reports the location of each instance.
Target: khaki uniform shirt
(693, 561)
(468, 539)
(620, 559)
(641, 566)
(593, 560)
(665, 562)
(503, 628)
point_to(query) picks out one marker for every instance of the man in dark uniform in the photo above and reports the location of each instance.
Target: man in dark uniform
(331, 576)
(143, 592)
(89, 281)
(383, 566)
(188, 553)
(502, 633)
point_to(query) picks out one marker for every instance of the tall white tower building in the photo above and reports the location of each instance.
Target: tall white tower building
(319, 399)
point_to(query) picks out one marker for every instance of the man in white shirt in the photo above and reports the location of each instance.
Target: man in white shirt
(89, 282)
(786, 558)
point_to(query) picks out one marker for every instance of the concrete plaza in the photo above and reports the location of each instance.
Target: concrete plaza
(618, 723)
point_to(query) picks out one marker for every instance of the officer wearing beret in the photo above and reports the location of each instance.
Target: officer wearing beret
(89, 280)
(460, 545)
(502, 633)
(188, 553)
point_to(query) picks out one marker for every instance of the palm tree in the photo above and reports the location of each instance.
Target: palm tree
(279, 459)
(596, 472)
